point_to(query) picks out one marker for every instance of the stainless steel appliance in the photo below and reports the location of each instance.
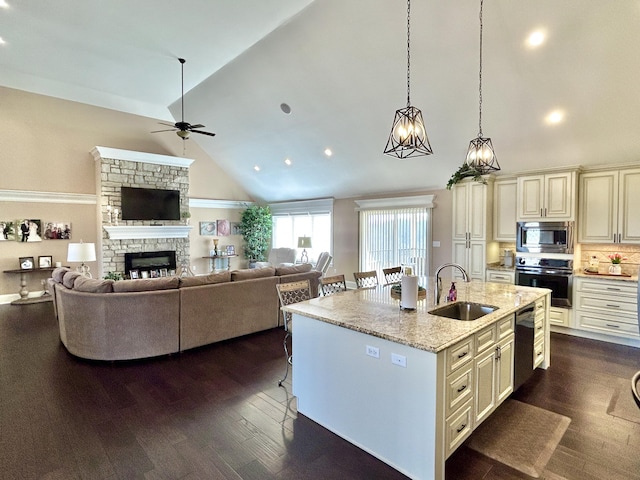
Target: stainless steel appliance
(552, 273)
(523, 350)
(545, 237)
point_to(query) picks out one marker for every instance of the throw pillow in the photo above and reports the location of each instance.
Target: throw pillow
(146, 284)
(251, 273)
(92, 285)
(221, 277)
(58, 274)
(304, 268)
(70, 277)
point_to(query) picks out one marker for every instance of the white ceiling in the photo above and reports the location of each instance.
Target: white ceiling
(341, 66)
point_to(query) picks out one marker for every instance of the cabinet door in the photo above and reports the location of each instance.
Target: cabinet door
(558, 196)
(598, 213)
(530, 193)
(628, 204)
(504, 211)
(460, 211)
(504, 374)
(477, 264)
(477, 211)
(460, 255)
(485, 392)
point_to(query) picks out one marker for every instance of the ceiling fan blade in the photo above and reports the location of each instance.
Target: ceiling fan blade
(196, 126)
(167, 130)
(167, 124)
(204, 133)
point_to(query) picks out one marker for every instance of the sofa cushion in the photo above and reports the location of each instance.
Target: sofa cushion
(251, 273)
(92, 285)
(303, 268)
(58, 274)
(221, 277)
(146, 284)
(70, 277)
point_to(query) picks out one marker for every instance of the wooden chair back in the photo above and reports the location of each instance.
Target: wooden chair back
(366, 279)
(333, 284)
(392, 275)
(292, 292)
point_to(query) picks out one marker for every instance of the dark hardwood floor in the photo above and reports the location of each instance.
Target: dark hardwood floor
(217, 413)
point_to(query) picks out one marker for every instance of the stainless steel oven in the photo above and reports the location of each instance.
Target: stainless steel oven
(545, 237)
(552, 273)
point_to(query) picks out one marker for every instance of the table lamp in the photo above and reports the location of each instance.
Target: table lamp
(304, 243)
(82, 252)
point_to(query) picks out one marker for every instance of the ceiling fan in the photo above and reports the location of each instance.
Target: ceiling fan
(182, 128)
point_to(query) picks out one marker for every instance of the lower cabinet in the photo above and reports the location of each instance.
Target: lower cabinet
(501, 276)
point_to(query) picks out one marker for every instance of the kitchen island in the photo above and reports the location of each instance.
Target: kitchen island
(404, 385)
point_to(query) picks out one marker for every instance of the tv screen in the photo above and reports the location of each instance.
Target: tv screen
(150, 204)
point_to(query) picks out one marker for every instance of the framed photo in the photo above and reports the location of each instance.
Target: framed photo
(134, 274)
(172, 272)
(208, 228)
(7, 230)
(154, 273)
(235, 228)
(26, 263)
(45, 261)
(231, 250)
(144, 274)
(28, 230)
(163, 272)
(223, 228)
(57, 230)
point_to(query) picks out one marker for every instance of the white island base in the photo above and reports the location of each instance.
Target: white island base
(387, 410)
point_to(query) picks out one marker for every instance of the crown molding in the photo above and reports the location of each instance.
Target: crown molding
(46, 197)
(209, 203)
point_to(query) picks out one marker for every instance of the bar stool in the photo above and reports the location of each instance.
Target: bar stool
(392, 275)
(366, 279)
(333, 284)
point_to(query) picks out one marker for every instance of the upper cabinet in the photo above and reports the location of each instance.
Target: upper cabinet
(608, 207)
(550, 196)
(504, 210)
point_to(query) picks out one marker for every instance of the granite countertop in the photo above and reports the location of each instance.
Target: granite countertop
(500, 266)
(604, 275)
(374, 312)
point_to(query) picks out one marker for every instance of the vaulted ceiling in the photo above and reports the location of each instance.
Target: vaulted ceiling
(340, 65)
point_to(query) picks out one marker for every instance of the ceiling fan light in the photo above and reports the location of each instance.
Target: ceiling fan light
(481, 156)
(184, 134)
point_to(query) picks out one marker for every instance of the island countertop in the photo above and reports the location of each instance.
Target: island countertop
(373, 311)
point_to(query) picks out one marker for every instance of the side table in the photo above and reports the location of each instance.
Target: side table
(213, 258)
(24, 293)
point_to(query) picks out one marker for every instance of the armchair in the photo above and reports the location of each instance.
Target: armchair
(279, 257)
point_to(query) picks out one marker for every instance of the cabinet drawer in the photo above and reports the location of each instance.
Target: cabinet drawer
(539, 329)
(459, 354)
(500, 277)
(485, 339)
(609, 325)
(505, 327)
(457, 428)
(616, 288)
(459, 388)
(559, 316)
(607, 304)
(538, 353)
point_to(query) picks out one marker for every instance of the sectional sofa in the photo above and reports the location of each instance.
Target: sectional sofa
(131, 319)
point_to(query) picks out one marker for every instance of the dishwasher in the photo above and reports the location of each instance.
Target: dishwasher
(525, 330)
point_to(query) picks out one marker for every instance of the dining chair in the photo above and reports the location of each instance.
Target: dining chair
(366, 279)
(322, 265)
(289, 293)
(333, 284)
(392, 275)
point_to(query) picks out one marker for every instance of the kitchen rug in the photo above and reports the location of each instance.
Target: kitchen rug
(622, 404)
(520, 435)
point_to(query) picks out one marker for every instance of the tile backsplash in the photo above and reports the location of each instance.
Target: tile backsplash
(601, 251)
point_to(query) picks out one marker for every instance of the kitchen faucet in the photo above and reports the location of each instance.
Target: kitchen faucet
(438, 291)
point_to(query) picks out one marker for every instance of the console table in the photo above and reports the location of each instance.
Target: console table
(213, 258)
(24, 293)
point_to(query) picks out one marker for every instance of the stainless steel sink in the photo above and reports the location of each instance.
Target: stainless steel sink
(463, 310)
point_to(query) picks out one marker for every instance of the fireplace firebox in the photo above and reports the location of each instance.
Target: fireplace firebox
(147, 261)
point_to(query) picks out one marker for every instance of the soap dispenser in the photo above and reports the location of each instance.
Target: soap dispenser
(453, 294)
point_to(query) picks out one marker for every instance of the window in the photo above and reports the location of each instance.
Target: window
(395, 232)
(308, 218)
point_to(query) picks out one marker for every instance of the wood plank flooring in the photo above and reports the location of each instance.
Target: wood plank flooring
(217, 413)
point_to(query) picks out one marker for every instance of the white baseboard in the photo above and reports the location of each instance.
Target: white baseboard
(630, 342)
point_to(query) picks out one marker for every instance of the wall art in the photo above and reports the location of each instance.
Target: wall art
(57, 230)
(29, 230)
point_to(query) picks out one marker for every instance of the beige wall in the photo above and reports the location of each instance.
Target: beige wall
(345, 232)
(45, 147)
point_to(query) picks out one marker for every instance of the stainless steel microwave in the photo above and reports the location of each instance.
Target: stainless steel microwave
(545, 237)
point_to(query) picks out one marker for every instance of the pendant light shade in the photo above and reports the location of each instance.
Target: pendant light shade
(408, 137)
(481, 156)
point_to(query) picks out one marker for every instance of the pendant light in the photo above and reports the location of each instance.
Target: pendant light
(408, 136)
(481, 156)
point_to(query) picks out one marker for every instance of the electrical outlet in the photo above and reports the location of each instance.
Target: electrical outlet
(373, 351)
(399, 360)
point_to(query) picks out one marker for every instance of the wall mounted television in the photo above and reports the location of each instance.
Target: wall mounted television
(150, 204)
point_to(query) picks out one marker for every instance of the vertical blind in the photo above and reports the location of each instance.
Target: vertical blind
(394, 237)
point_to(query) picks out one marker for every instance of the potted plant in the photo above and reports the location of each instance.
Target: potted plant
(616, 260)
(186, 215)
(255, 225)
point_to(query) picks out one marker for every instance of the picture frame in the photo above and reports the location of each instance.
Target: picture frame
(56, 230)
(236, 228)
(144, 274)
(231, 250)
(45, 261)
(223, 227)
(209, 228)
(172, 273)
(7, 230)
(154, 273)
(28, 230)
(163, 272)
(26, 263)
(134, 274)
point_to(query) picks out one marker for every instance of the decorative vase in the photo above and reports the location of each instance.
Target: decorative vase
(615, 269)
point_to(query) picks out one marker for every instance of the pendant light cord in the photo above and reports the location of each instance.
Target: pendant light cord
(408, 51)
(480, 76)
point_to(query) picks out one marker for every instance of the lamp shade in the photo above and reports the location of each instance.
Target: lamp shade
(304, 242)
(81, 252)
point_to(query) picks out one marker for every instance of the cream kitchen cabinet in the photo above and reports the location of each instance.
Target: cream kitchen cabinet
(551, 196)
(472, 244)
(608, 207)
(504, 210)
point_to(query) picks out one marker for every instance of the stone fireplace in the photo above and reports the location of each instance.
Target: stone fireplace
(117, 168)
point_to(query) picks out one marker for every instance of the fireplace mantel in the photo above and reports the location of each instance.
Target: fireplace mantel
(126, 232)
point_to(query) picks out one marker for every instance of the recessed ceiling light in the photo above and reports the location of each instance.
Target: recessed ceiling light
(283, 106)
(256, 168)
(328, 152)
(536, 38)
(287, 161)
(4, 4)
(2, 42)
(554, 117)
